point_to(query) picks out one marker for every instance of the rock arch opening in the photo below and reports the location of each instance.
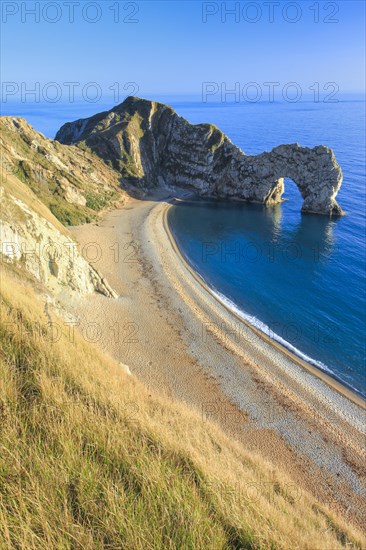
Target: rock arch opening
(314, 172)
(292, 194)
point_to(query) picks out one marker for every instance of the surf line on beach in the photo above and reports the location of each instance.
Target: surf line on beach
(316, 368)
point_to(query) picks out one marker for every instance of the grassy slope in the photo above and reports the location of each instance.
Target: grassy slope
(90, 459)
(48, 168)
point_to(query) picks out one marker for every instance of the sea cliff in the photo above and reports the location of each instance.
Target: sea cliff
(150, 145)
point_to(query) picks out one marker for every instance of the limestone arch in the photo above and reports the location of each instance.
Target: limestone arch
(313, 171)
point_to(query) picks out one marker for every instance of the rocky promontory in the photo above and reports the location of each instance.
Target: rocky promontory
(150, 145)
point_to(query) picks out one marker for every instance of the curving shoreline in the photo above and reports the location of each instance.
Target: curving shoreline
(336, 384)
(257, 393)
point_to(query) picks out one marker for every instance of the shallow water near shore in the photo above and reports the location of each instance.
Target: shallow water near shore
(287, 274)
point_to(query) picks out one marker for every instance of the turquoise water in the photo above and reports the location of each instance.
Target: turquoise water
(298, 277)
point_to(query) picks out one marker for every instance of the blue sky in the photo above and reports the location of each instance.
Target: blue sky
(173, 47)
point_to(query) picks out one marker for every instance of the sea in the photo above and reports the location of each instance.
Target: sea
(299, 278)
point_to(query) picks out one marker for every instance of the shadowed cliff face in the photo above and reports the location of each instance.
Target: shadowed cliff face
(150, 145)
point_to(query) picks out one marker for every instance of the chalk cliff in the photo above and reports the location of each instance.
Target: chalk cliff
(45, 186)
(150, 146)
(32, 240)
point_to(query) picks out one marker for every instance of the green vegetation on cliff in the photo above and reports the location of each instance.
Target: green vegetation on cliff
(74, 184)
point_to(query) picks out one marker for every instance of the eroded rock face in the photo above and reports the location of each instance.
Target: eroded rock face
(41, 179)
(41, 249)
(150, 145)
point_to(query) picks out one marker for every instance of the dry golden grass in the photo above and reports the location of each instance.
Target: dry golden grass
(89, 459)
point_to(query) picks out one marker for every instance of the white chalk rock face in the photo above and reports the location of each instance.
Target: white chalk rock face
(150, 145)
(38, 247)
